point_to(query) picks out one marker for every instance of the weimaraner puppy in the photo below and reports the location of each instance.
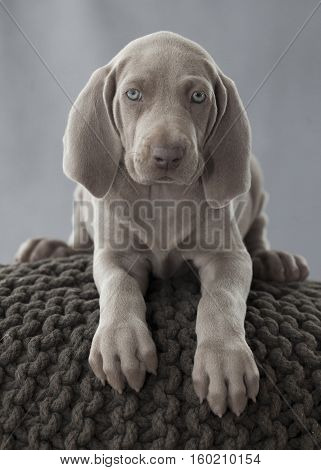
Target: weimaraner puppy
(162, 126)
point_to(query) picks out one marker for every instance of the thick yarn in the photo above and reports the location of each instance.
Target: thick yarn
(50, 398)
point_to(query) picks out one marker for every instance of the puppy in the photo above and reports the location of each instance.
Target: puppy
(162, 126)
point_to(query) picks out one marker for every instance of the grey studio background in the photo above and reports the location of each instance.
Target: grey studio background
(74, 37)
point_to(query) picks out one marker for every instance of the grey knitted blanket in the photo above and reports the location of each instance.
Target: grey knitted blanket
(50, 399)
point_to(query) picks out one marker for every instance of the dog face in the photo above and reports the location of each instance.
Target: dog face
(164, 108)
(163, 117)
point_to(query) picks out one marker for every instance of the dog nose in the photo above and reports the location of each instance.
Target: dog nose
(167, 158)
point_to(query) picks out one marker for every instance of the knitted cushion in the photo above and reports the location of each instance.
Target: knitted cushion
(50, 399)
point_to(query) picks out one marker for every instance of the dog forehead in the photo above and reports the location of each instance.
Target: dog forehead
(162, 41)
(165, 53)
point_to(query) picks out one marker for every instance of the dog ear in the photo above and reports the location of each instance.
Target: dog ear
(228, 146)
(92, 147)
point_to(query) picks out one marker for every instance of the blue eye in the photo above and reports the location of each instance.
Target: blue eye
(198, 97)
(133, 94)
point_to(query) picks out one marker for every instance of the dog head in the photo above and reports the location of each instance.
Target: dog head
(164, 108)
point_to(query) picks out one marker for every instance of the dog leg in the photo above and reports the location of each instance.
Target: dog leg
(36, 249)
(272, 265)
(79, 242)
(122, 347)
(225, 372)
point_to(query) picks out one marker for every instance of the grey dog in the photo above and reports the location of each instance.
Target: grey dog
(161, 122)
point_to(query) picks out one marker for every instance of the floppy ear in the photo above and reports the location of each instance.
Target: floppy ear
(228, 146)
(92, 147)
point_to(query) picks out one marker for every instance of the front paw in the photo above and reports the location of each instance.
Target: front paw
(225, 374)
(123, 351)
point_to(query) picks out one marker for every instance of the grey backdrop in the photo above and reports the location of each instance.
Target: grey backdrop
(74, 37)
